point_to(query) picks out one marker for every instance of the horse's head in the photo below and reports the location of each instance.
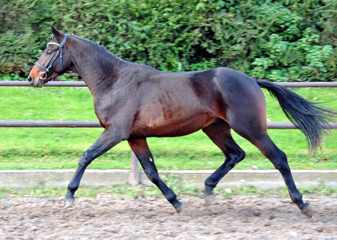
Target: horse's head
(54, 61)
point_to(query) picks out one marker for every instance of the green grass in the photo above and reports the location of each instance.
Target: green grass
(60, 148)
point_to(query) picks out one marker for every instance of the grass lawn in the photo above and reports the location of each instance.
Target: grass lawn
(60, 148)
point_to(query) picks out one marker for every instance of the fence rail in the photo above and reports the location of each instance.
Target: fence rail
(82, 84)
(51, 124)
(93, 124)
(48, 84)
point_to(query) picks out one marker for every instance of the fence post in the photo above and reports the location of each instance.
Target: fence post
(134, 178)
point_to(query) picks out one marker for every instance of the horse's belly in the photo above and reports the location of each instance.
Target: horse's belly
(172, 127)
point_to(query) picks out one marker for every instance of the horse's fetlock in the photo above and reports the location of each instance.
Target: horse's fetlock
(209, 182)
(172, 198)
(296, 197)
(72, 188)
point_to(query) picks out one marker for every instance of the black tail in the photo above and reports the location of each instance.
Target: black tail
(311, 119)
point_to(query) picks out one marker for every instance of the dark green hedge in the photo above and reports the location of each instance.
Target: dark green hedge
(287, 40)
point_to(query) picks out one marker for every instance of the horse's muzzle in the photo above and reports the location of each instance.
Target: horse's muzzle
(38, 83)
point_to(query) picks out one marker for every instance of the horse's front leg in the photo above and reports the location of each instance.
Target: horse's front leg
(144, 155)
(107, 140)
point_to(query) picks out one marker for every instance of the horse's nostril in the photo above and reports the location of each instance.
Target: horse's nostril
(30, 79)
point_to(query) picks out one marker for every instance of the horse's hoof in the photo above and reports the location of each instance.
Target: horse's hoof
(307, 210)
(209, 199)
(68, 202)
(181, 208)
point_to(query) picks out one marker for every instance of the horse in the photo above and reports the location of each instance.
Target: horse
(135, 101)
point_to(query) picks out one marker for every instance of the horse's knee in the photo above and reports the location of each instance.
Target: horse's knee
(152, 175)
(85, 160)
(234, 158)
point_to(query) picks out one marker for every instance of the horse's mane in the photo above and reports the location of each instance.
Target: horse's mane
(103, 51)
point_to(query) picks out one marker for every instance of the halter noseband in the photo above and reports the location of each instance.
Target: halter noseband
(44, 75)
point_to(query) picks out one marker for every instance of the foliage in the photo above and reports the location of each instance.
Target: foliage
(288, 40)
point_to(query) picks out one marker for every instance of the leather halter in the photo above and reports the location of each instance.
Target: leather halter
(44, 75)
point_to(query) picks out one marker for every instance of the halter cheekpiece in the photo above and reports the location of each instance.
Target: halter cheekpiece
(44, 75)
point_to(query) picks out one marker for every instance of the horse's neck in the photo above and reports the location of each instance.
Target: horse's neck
(98, 71)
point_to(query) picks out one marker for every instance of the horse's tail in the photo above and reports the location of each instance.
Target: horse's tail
(310, 118)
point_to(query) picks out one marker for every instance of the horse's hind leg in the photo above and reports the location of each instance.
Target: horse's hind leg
(144, 155)
(279, 160)
(262, 141)
(219, 133)
(246, 115)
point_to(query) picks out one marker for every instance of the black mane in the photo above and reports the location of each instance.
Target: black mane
(103, 51)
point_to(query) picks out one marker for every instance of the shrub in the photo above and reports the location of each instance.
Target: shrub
(287, 40)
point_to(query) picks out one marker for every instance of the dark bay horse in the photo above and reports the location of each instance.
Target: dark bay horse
(135, 101)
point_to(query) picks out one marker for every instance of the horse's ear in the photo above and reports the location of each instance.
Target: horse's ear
(57, 34)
